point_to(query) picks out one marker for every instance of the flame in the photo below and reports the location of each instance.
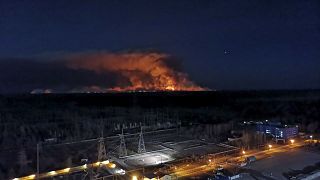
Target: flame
(138, 71)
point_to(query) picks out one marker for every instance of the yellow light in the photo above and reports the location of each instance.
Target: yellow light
(209, 160)
(112, 165)
(84, 166)
(15, 179)
(105, 162)
(270, 146)
(66, 170)
(32, 176)
(52, 172)
(243, 152)
(134, 178)
(292, 141)
(97, 163)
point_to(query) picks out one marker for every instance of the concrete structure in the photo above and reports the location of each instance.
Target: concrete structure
(277, 130)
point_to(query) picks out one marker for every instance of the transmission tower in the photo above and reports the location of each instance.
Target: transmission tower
(102, 154)
(122, 148)
(141, 146)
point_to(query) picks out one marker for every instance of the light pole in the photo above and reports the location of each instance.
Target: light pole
(38, 160)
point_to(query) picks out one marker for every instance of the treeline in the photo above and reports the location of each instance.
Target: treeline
(28, 119)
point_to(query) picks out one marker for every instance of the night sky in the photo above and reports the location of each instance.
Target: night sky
(233, 45)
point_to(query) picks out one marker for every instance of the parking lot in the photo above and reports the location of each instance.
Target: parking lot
(274, 166)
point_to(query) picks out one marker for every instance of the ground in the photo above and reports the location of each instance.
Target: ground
(169, 147)
(274, 166)
(148, 159)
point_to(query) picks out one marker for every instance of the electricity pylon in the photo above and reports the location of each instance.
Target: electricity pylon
(102, 154)
(122, 147)
(141, 146)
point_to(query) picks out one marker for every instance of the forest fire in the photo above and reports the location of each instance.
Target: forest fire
(136, 71)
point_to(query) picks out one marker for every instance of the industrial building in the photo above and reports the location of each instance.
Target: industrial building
(277, 130)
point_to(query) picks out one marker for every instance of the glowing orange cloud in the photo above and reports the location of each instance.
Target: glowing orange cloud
(142, 71)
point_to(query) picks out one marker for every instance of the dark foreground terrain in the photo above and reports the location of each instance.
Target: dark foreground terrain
(28, 119)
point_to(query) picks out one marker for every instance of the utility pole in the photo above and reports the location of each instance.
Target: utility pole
(141, 146)
(38, 160)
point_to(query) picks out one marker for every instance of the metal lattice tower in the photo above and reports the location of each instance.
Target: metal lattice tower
(102, 154)
(141, 146)
(122, 147)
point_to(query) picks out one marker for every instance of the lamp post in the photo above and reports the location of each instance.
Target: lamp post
(38, 160)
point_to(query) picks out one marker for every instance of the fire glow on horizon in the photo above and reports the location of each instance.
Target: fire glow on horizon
(138, 71)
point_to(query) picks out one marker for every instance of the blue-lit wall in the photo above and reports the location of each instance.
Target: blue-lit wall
(278, 132)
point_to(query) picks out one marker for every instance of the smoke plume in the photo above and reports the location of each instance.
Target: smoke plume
(137, 71)
(94, 72)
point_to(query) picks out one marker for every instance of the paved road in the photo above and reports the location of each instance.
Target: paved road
(187, 170)
(196, 169)
(105, 164)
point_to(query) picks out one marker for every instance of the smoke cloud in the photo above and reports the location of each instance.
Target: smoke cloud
(138, 71)
(96, 72)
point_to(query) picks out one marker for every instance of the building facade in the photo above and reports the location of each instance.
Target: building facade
(278, 131)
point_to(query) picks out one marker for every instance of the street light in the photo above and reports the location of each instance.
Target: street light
(32, 176)
(105, 162)
(97, 163)
(38, 160)
(66, 170)
(52, 173)
(311, 137)
(85, 163)
(270, 146)
(292, 141)
(244, 154)
(112, 165)
(134, 178)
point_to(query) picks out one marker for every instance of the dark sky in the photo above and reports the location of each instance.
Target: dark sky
(238, 44)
